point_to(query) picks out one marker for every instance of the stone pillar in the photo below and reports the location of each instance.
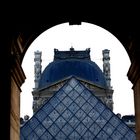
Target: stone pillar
(37, 67)
(136, 89)
(37, 72)
(17, 78)
(106, 67)
(134, 77)
(15, 111)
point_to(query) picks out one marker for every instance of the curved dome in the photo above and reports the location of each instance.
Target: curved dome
(85, 69)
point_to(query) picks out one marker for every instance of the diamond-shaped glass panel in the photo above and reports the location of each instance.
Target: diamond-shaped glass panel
(88, 136)
(48, 108)
(108, 128)
(81, 129)
(79, 88)
(86, 107)
(21, 137)
(73, 94)
(130, 135)
(32, 136)
(86, 94)
(102, 136)
(92, 100)
(67, 101)
(122, 128)
(73, 82)
(39, 130)
(80, 114)
(33, 123)
(117, 136)
(93, 114)
(40, 115)
(26, 130)
(107, 114)
(74, 113)
(115, 121)
(80, 101)
(94, 129)
(60, 136)
(74, 122)
(53, 129)
(46, 136)
(101, 121)
(61, 95)
(47, 122)
(67, 88)
(54, 101)
(60, 108)
(54, 115)
(73, 108)
(74, 136)
(60, 122)
(67, 129)
(67, 115)
(87, 121)
(99, 107)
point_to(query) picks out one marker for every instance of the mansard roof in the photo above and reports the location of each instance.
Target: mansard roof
(73, 112)
(72, 63)
(63, 55)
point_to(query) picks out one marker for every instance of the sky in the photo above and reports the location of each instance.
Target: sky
(80, 37)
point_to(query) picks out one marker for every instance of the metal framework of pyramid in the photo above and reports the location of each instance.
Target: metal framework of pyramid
(75, 113)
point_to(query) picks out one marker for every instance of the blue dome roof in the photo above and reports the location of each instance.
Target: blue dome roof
(84, 69)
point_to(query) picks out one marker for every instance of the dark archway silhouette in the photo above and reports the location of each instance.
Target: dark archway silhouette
(17, 39)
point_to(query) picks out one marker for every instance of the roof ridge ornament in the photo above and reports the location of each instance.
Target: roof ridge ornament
(72, 54)
(71, 49)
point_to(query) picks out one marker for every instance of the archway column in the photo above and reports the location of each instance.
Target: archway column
(137, 107)
(17, 79)
(134, 77)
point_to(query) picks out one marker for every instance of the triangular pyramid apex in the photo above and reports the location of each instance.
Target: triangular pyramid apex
(73, 81)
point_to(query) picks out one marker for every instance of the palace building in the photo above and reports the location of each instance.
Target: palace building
(73, 99)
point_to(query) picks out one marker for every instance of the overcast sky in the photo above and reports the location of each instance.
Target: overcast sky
(83, 36)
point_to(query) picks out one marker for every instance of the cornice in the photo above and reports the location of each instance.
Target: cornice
(134, 72)
(17, 72)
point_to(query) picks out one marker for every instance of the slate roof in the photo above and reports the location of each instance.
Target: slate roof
(61, 69)
(72, 63)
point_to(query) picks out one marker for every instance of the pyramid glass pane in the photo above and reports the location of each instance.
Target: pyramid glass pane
(74, 113)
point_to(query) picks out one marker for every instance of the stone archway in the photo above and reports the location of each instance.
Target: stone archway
(20, 42)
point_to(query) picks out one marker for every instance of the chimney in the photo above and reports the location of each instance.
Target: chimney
(106, 67)
(37, 67)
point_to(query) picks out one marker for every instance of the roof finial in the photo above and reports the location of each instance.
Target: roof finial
(71, 49)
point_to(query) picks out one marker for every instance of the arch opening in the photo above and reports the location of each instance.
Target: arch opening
(82, 36)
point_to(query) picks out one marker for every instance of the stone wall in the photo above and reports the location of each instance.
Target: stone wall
(14, 111)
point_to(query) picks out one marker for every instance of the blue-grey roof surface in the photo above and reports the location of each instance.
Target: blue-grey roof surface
(85, 69)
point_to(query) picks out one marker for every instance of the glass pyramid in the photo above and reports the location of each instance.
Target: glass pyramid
(74, 113)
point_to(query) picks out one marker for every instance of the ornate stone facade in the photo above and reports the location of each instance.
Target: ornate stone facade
(106, 67)
(40, 95)
(37, 67)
